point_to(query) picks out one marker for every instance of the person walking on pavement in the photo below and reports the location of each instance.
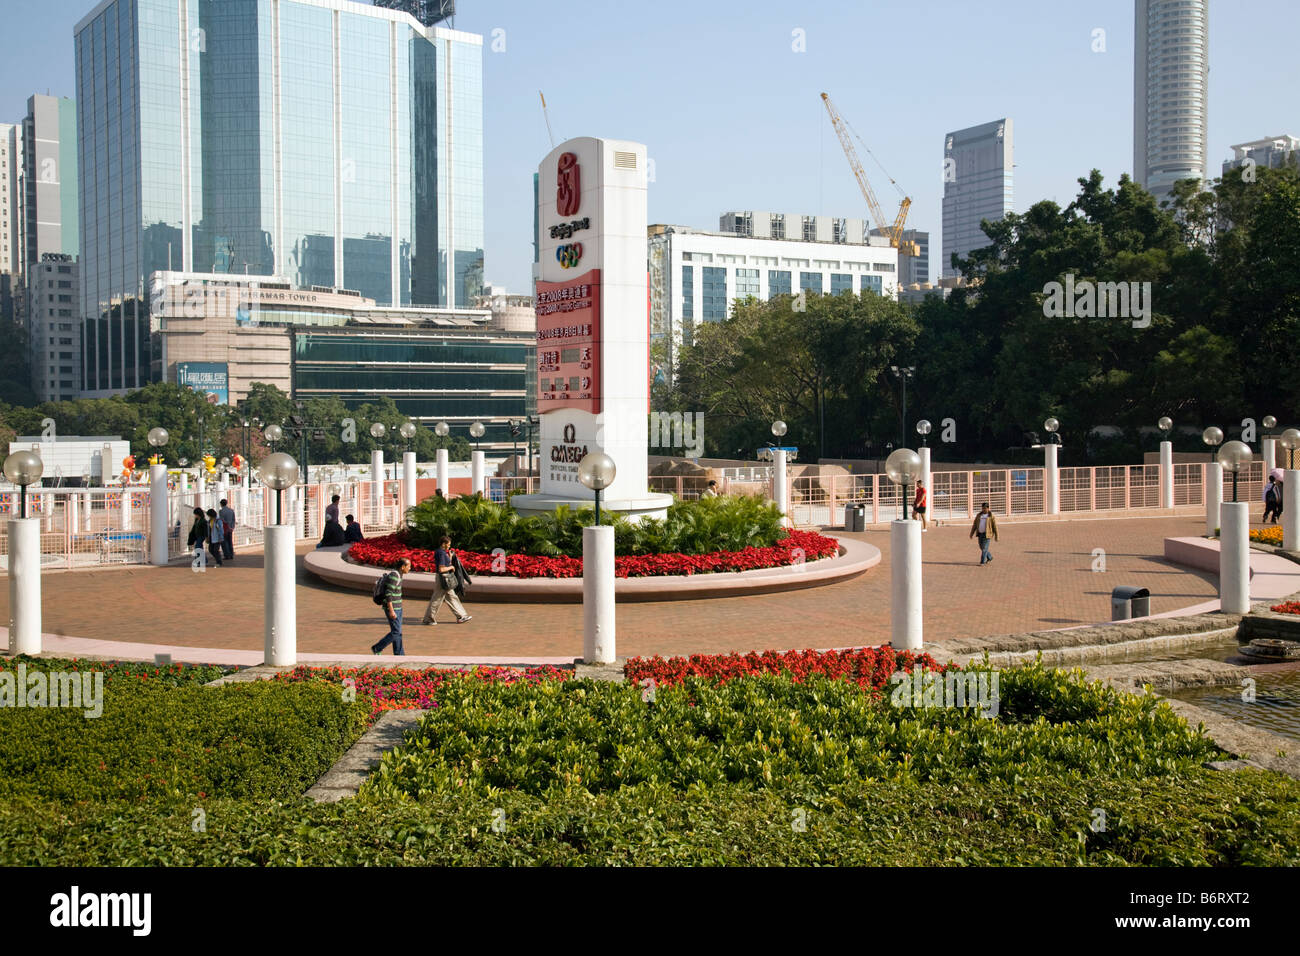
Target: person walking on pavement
(227, 515)
(1272, 500)
(445, 583)
(918, 505)
(198, 539)
(216, 536)
(985, 526)
(393, 609)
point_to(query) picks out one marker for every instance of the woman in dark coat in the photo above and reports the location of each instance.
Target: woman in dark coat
(198, 531)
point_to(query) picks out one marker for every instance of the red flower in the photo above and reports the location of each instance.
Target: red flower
(797, 545)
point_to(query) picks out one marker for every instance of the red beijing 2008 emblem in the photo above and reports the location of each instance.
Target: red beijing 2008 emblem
(568, 188)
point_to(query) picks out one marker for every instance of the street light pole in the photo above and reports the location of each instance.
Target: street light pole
(903, 372)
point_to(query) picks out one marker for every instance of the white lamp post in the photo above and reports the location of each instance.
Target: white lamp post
(1051, 474)
(780, 485)
(407, 431)
(442, 430)
(377, 432)
(1290, 441)
(24, 468)
(1165, 424)
(923, 429)
(1234, 536)
(903, 466)
(1269, 447)
(477, 466)
(158, 501)
(1213, 438)
(597, 471)
(278, 472)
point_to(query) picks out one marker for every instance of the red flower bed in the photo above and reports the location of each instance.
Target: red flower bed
(385, 552)
(865, 666)
(1287, 607)
(393, 688)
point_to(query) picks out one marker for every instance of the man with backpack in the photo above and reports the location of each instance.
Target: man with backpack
(387, 593)
(1272, 500)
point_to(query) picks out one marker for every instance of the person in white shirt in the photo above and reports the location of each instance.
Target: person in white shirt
(984, 526)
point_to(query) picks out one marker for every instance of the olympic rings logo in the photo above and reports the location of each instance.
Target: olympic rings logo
(568, 255)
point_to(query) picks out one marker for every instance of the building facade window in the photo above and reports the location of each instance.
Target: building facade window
(841, 282)
(811, 282)
(778, 282)
(713, 298)
(688, 292)
(746, 283)
(873, 284)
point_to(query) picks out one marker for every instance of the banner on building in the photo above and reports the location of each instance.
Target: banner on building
(211, 379)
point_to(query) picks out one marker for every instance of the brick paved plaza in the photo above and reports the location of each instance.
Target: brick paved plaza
(1041, 578)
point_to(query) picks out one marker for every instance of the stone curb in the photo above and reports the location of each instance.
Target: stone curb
(1081, 643)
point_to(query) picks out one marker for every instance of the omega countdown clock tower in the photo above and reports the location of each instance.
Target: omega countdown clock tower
(593, 325)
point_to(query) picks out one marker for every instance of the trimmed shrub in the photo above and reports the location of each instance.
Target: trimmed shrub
(242, 740)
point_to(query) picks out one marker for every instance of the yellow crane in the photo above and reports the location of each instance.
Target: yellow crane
(893, 232)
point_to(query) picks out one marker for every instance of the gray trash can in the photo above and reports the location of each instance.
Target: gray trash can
(1127, 601)
(855, 517)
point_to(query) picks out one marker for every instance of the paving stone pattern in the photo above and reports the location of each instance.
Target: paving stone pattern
(1041, 578)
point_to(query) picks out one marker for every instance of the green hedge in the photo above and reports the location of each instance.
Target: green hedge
(154, 742)
(769, 731)
(1203, 818)
(172, 675)
(729, 523)
(759, 771)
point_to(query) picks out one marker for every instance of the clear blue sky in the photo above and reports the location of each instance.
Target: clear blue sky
(731, 114)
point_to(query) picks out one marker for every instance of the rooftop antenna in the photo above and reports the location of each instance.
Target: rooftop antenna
(546, 116)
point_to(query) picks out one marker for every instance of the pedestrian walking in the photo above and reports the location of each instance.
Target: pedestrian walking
(393, 609)
(919, 507)
(227, 516)
(985, 526)
(198, 539)
(1272, 500)
(352, 533)
(446, 582)
(216, 536)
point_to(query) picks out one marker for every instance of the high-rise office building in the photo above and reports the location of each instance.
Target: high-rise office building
(11, 222)
(977, 185)
(12, 219)
(1171, 93)
(333, 143)
(51, 212)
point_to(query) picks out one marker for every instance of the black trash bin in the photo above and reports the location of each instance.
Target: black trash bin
(855, 517)
(1127, 602)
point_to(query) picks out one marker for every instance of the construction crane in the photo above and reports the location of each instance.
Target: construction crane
(547, 116)
(892, 232)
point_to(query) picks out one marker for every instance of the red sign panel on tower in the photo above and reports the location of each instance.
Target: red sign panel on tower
(568, 344)
(568, 185)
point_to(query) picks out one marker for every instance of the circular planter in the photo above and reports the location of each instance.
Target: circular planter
(854, 558)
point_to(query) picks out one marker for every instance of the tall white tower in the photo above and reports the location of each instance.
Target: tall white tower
(1171, 85)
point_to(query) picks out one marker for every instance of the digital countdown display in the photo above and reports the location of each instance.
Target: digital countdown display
(568, 344)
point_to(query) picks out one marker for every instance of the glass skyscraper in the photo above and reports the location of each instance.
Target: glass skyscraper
(333, 142)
